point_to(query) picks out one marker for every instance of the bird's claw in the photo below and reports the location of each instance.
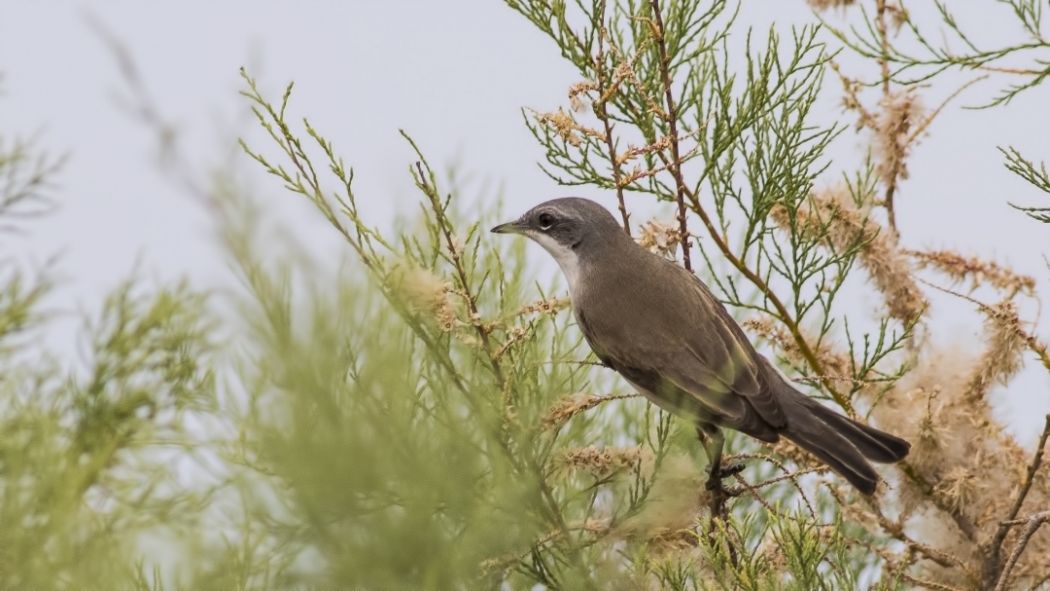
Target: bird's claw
(716, 476)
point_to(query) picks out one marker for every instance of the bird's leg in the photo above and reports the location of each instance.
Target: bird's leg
(713, 441)
(711, 438)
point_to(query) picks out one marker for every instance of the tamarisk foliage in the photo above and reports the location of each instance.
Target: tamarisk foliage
(661, 113)
(86, 444)
(424, 415)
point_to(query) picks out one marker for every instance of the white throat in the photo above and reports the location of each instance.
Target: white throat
(566, 257)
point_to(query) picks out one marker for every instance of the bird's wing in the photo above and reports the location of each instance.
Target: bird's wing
(678, 342)
(716, 362)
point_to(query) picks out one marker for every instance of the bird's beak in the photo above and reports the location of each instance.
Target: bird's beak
(515, 227)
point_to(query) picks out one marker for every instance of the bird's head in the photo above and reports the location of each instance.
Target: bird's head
(569, 229)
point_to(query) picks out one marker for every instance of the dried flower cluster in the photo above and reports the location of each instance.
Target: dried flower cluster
(602, 461)
(426, 293)
(830, 4)
(574, 404)
(833, 214)
(900, 113)
(966, 470)
(662, 238)
(979, 272)
(567, 127)
(633, 151)
(577, 91)
(549, 306)
(1005, 344)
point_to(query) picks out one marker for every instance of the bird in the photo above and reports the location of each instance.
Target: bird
(661, 328)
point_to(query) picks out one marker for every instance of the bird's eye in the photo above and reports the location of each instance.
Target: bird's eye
(546, 220)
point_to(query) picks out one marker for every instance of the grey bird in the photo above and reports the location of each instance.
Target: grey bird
(661, 328)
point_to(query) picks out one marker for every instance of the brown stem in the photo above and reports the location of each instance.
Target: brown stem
(884, 65)
(965, 525)
(1033, 524)
(1034, 344)
(672, 125)
(782, 312)
(991, 565)
(684, 191)
(471, 298)
(884, 42)
(896, 529)
(601, 111)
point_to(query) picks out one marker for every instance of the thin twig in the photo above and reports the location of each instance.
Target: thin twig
(672, 124)
(601, 111)
(919, 129)
(425, 184)
(884, 43)
(884, 65)
(896, 529)
(1033, 523)
(992, 566)
(1033, 344)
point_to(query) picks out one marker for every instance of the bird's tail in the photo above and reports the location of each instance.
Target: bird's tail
(843, 444)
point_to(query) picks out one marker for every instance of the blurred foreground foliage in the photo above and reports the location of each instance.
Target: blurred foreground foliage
(424, 417)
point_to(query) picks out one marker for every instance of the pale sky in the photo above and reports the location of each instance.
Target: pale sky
(455, 75)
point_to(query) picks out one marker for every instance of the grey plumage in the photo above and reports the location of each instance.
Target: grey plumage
(660, 327)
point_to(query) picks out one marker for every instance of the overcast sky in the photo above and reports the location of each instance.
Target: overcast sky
(454, 74)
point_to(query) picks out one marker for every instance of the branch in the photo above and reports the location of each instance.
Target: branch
(425, 183)
(672, 123)
(965, 525)
(991, 565)
(602, 113)
(896, 529)
(1034, 345)
(783, 315)
(1033, 523)
(884, 46)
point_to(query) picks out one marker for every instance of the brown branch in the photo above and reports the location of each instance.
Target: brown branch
(672, 124)
(782, 313)
(602, 113)
(965, 525)
(1033, 467)
(793, 476)
(896, 529)
(991, 566)
(928, 584)
(884, 43)
(1033, 344)
(753, 490)
(426, 185)
(919, 129)
(884, 65)
(1033, 523)
(683, 191)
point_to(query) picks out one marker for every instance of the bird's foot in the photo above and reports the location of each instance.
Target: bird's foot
(716, 476)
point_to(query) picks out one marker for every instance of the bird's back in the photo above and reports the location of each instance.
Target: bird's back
(660, 327)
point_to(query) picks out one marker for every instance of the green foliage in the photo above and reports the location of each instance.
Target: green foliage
(427, 413)
(82, 464)
(81, 474)
(426, 417)
(1036, 175)
(920, 57)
